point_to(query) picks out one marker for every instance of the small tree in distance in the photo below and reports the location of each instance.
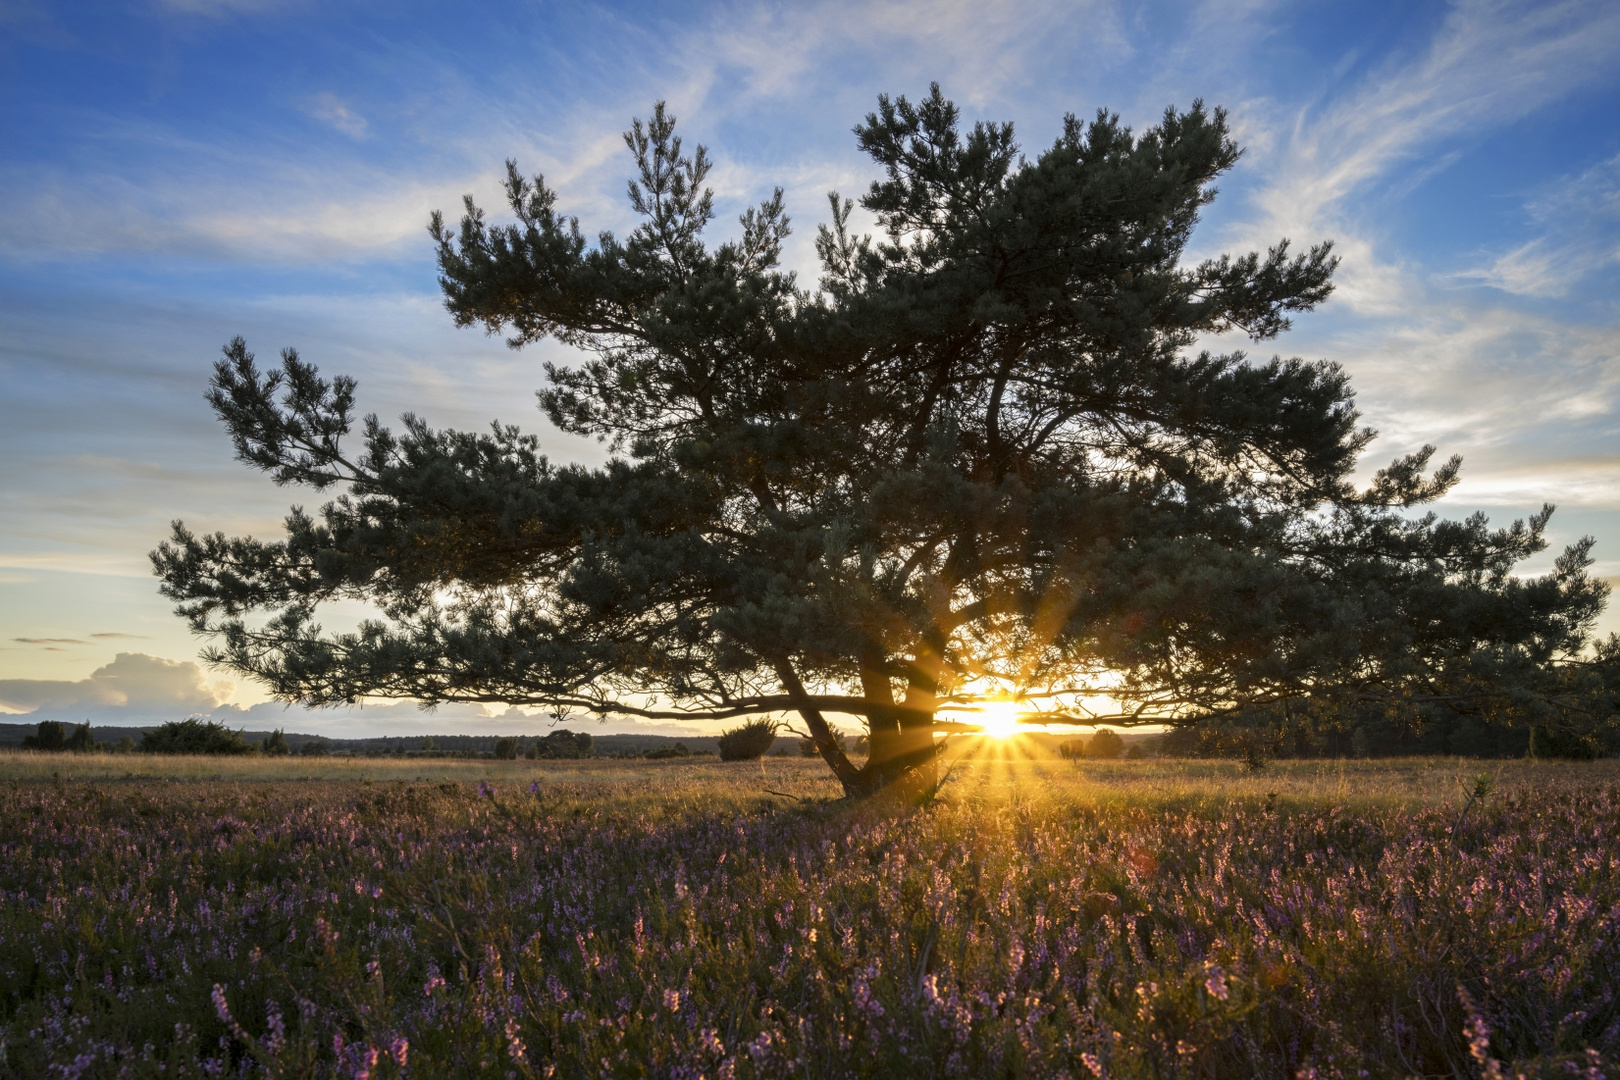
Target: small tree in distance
(48, 735)
(1106, 744)
(749, 741)
(977, 459)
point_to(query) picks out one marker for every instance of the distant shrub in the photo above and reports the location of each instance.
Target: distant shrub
(315, 747)
(566, 744)
(126, 745)
(807, 748)
(1072, 749)
(1135, 752)
(660, 753)
(275, 744)
(748, 742)
(195, 735)
(506, 749)
(1106, 744)
(50, 735)
(1551, 743)
(80, 740)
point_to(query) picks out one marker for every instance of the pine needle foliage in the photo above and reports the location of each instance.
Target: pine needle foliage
(980, 454)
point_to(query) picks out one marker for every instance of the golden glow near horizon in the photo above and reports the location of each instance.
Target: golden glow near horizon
(999, 718)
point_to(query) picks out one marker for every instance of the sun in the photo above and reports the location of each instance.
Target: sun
(999, 718)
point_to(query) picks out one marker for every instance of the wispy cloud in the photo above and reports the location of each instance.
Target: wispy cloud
(50, 641)
(1580, 222)
(980, 49)
(145, 236)
(356, 212)
(1490, 64)
(330, 111)
(1515, 392)
(133, 637)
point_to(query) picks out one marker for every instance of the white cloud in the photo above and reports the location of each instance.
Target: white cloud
(1490, 64)
(131, 681)
(329, 110)
(975, 48)
(1516, 392)
(351, 213)
(1580, 219)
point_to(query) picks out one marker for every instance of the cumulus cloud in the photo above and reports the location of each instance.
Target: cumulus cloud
(138, 689)
(135, 681)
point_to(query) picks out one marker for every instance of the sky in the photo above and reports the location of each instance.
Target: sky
(177, 172)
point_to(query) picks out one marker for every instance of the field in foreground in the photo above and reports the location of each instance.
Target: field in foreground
(377, 919)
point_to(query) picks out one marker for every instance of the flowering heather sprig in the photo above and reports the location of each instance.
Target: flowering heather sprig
(1479, 1037)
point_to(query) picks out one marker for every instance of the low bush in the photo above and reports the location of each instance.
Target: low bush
(195, 735)
(748, 742)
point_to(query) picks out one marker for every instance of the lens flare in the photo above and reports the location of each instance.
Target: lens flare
(999, 718)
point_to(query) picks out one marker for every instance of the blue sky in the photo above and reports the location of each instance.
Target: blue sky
(180, 171)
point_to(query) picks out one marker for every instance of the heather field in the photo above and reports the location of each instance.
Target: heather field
(381, 918)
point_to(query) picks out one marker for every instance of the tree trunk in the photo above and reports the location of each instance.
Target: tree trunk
(820, 731)
(900, 741)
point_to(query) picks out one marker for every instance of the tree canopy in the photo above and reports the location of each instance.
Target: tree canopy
(980, 456)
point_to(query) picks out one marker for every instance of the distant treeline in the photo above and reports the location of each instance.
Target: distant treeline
(198, 736)
(1372, 733)
(1261, 735)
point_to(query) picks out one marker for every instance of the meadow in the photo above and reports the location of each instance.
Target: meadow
(373, 918)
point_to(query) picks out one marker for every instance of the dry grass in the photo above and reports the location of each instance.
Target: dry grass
(975, 771)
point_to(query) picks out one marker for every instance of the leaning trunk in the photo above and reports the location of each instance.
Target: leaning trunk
(900, 744)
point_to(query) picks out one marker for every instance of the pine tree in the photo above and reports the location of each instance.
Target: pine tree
(980, 457)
